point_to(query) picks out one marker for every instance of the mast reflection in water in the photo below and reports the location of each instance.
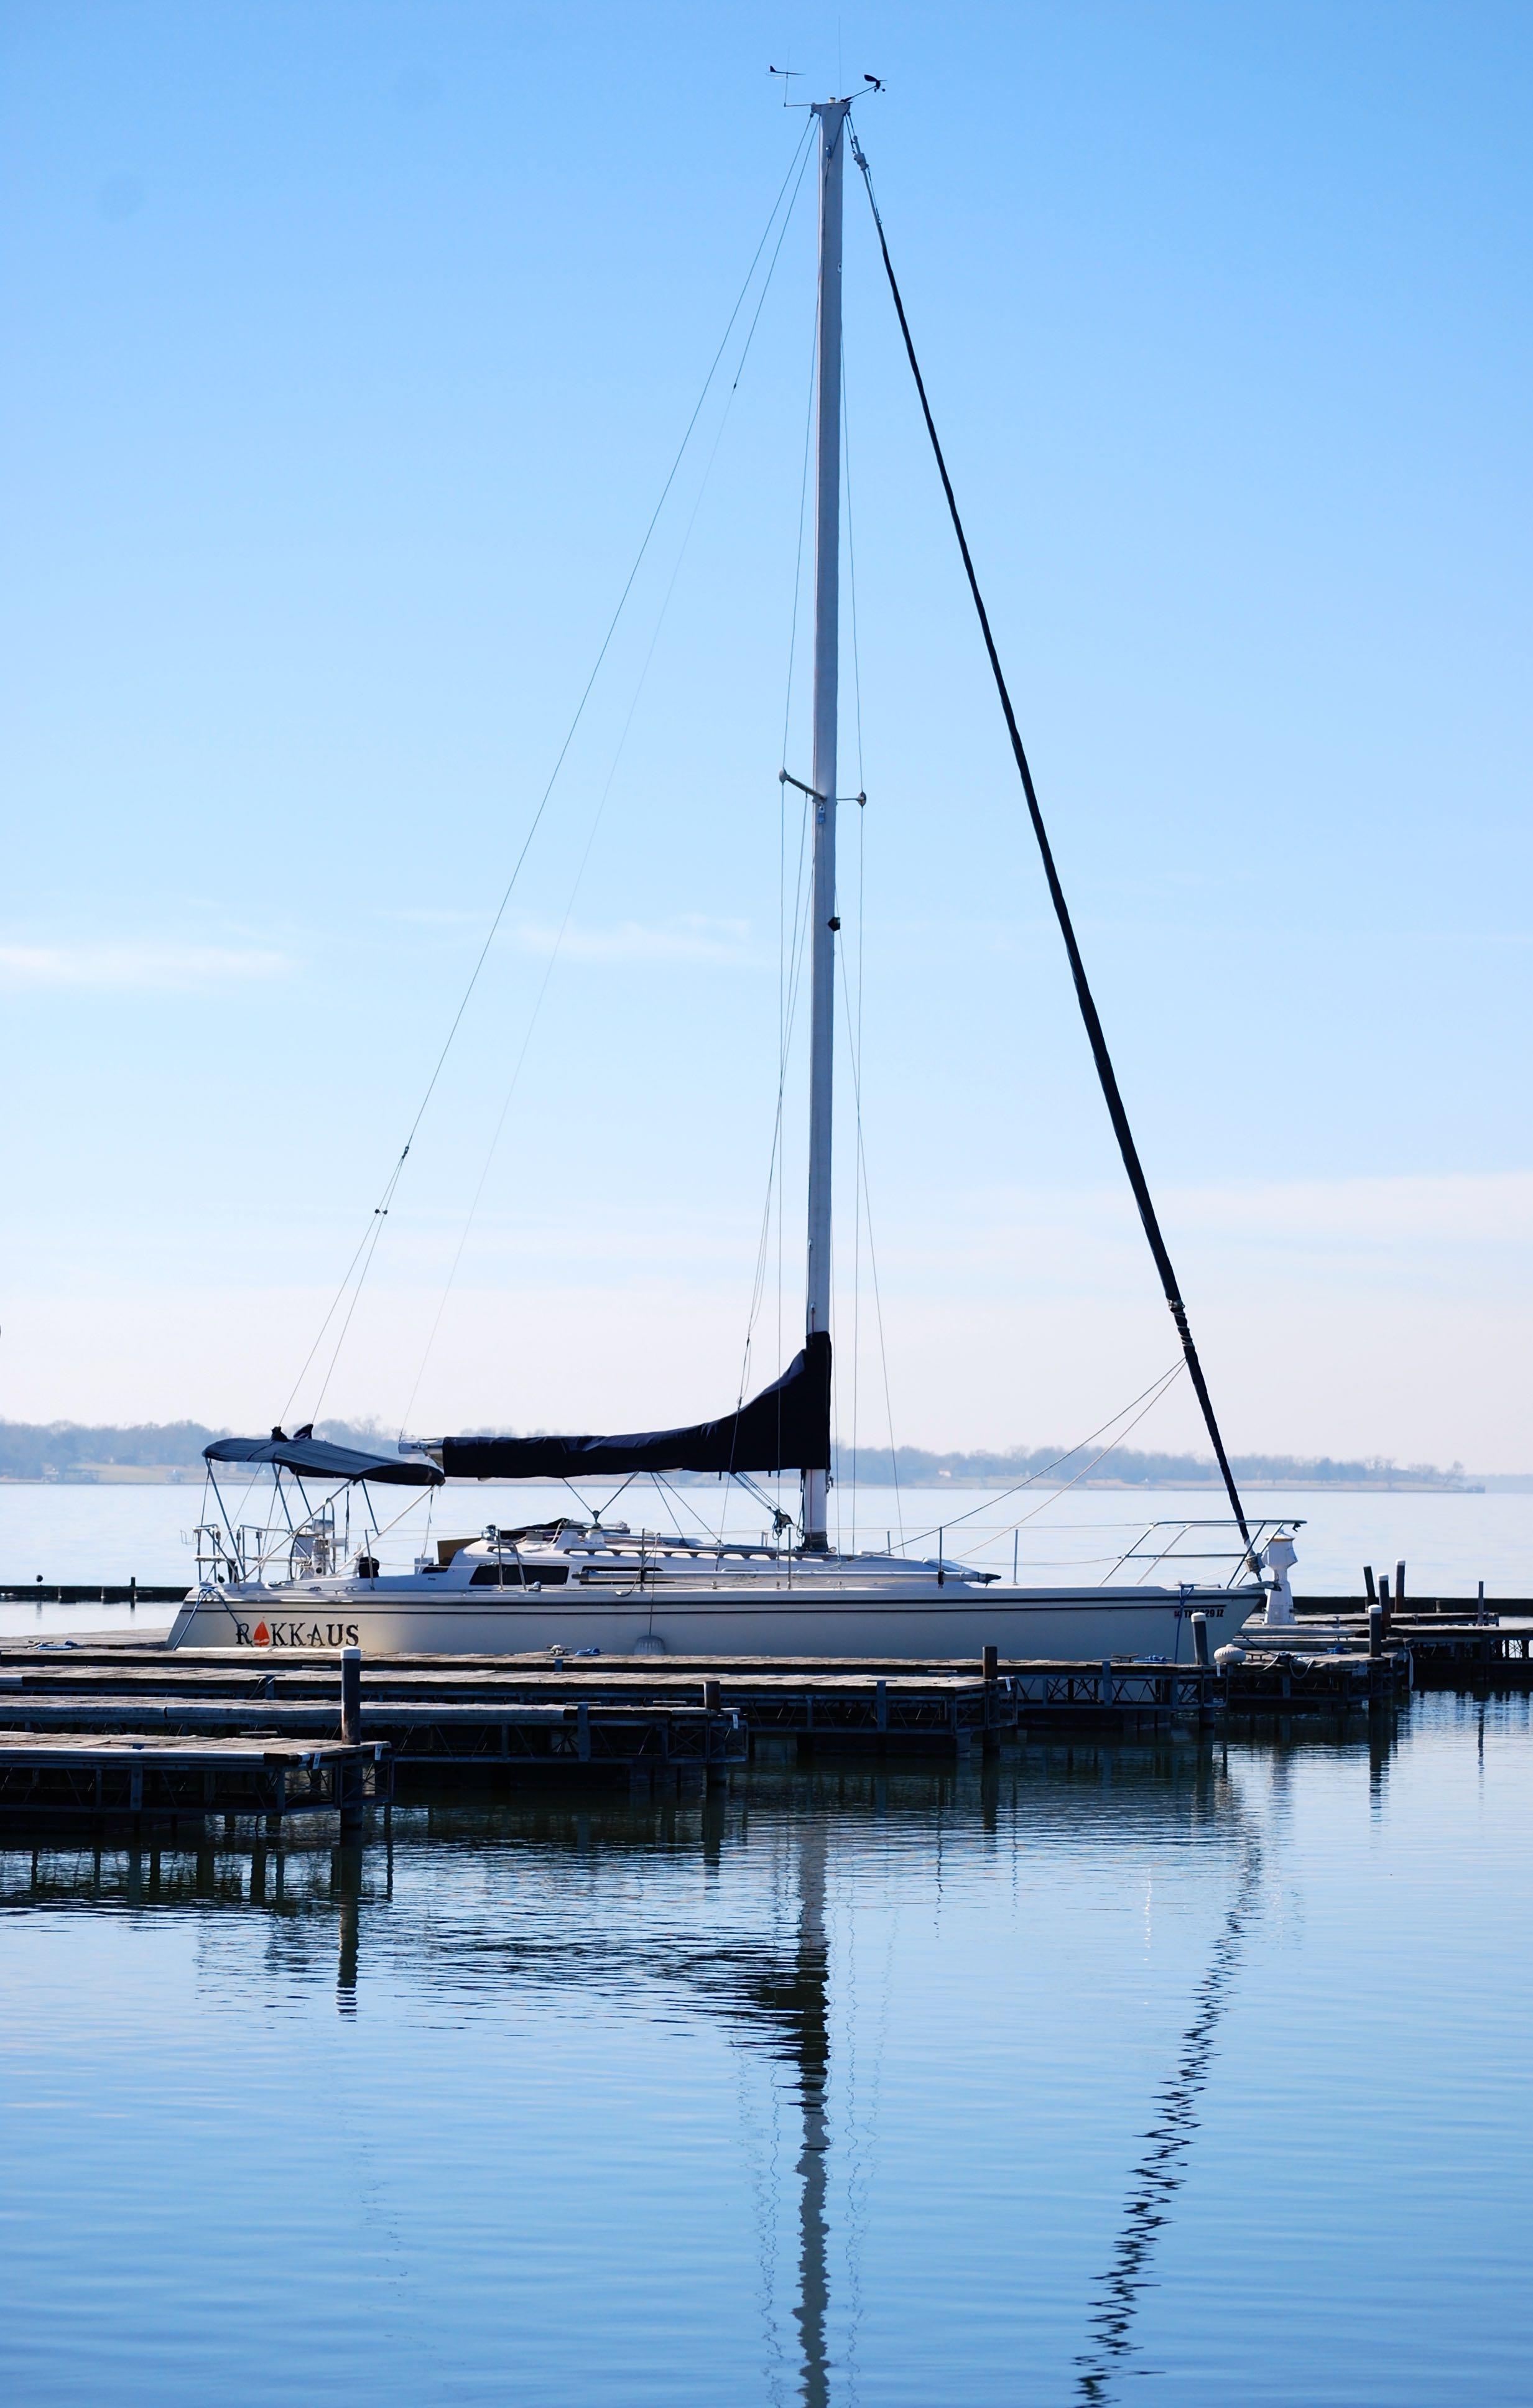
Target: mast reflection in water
(843, 2085)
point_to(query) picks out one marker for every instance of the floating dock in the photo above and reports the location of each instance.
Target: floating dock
(1144, 1696)
(132, 1592)
(1445, 1654)
(428, 1723)
(677, 1723)
(1452, 1643)
(72, 1776)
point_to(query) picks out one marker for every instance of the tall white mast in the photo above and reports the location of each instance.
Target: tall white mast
(827, 553)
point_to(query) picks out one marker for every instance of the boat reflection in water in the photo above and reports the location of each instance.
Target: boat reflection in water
(742, 1909)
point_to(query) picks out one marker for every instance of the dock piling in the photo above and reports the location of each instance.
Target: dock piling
(1200, 1639)
(351, 1696)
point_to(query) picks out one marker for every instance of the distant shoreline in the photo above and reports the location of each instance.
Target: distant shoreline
(170, 1454)
(132, 1475)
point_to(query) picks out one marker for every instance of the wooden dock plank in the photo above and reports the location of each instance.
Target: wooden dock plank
(17, 1747)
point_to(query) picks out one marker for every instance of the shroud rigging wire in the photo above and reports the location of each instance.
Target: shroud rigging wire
(873, 1266)
(855, 1020)
(361, 1262)
(595, 825)
(790, 936)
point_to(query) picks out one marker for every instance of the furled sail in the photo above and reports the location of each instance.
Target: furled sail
(786, 1428)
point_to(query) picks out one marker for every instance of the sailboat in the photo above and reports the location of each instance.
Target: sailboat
(587, 1585)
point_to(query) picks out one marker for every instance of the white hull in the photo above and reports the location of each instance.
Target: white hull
(389, 1618)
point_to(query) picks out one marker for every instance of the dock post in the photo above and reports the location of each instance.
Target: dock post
(1200, 1639)
(990, 1665)
(1106, 1695)
(712, 1697)
(881, 1693)
(963, 1737)
(1376, 1631)
(351, 1696)
(1399, 1587)
(1383, 1607)
(1368, 1588)
(582, 1728)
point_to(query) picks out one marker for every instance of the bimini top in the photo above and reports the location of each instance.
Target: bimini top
(305, 1452)
(786, 1428)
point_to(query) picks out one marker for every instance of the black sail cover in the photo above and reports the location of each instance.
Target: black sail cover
(786, 1428)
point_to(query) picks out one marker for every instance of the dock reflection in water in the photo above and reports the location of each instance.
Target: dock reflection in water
(1058, 2080)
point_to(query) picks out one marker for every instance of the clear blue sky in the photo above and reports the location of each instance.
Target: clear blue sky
(347, 348)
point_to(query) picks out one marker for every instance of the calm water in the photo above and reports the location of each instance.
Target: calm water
(1105, 2073)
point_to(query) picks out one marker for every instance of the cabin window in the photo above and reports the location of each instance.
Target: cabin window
(519, 1575)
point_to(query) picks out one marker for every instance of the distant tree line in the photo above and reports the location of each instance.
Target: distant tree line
(917, 1467)
(48, 1450)
(77, 1450)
